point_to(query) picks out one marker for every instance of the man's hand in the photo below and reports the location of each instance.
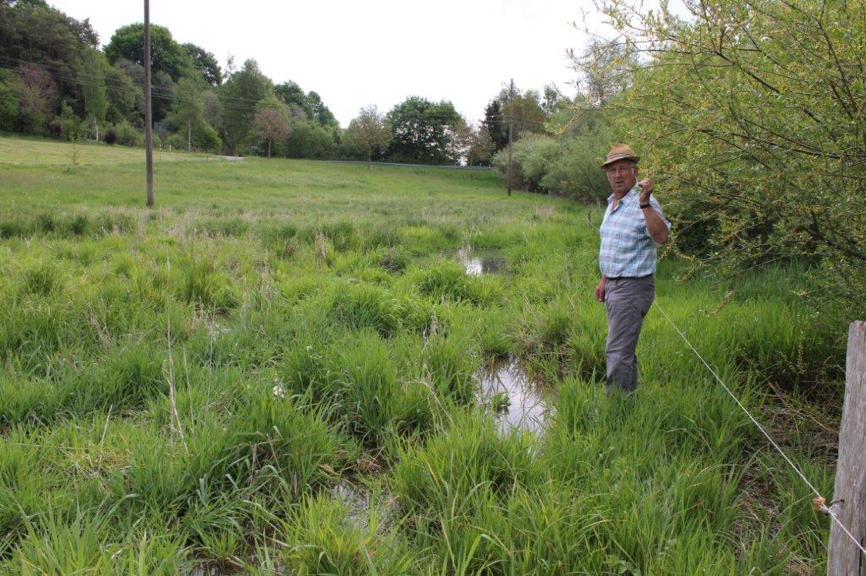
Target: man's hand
(646, 189)
(655, 226)
(600, 289)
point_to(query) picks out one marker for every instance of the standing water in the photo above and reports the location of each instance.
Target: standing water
(478, 265)
(514, 400)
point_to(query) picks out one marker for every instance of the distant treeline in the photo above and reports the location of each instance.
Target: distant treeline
(56, 81)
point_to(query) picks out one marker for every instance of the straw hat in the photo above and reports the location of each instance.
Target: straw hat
(620, 152)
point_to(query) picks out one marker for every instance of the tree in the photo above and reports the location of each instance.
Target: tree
(33, 32)
(211, 108)
(163, 90)
(604, 70)
(204, 63)
(369, 133)
(93, 88)
(495, 125)
(421, 131)
(187, 116)
(9, 103)
(754, 113)
(529, 117)
(308, 139)
(167, 56)
(290, 93)
(311, 103)
(272, 121)
(37, 97)
(240, 95)
(552, 101)
(317, 110)
(460, 139)
(125, 102)
(481, 147)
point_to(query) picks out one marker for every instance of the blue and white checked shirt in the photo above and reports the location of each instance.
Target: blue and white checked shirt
(627, 249)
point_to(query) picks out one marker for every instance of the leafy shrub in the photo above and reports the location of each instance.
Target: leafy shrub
(127, 135)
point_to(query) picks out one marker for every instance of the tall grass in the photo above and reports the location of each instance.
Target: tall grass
(195, 385)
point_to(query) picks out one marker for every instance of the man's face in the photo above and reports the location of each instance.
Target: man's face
(622, 176)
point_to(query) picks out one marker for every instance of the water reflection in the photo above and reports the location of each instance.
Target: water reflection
(478, 265)
(516, 402)
(356, 500)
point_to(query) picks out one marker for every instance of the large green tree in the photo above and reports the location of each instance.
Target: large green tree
(271, 121)
(494, 123)
(311, 103)
(35, 34)
(125, 100)
(239, 96)
(754, 114)
(93, 89)
(369, 133)
(421, 131)
(167, 56)
(205, 64)
(37, 98)
(187, 116)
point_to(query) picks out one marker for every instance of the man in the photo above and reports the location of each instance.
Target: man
(632, 227)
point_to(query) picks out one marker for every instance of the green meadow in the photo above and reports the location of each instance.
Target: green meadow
(276, 371)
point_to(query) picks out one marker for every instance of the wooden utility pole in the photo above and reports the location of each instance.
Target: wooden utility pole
(849, 494)
(510, 129)
(148, 115)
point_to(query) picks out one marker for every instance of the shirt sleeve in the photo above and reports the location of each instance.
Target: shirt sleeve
(657, 207)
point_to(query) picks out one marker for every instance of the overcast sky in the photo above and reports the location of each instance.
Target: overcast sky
(378, 52)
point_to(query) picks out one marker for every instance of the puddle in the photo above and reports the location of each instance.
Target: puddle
(506, 391)
(357, 503)
(480, 264)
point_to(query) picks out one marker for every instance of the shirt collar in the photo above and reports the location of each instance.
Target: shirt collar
(628, 196)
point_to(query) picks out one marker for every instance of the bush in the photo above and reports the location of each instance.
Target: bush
(127, 135)
(575, 171)
(67, 126)
(532, 157)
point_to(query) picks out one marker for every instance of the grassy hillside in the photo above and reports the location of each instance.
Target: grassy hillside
(278, 369)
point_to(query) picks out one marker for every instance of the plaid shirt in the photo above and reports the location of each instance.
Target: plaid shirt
(627, 249)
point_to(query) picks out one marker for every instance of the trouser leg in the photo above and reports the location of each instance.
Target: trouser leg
(626, 303)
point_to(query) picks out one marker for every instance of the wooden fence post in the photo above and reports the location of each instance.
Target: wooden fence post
(844, 558)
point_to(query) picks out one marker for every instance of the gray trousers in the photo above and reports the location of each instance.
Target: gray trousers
(627, 300)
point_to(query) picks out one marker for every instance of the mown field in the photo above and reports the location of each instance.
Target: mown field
(276, 370)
